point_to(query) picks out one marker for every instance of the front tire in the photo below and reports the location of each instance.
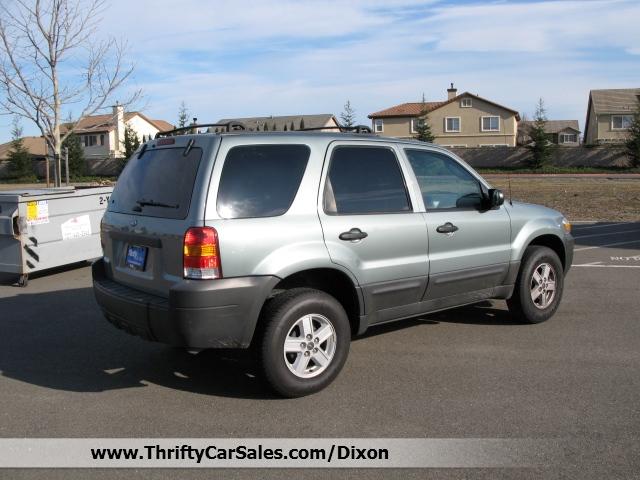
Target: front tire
(305, 341)
(539, 286)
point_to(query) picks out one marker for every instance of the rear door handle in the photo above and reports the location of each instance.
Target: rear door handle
(353, 234)
(447, 228)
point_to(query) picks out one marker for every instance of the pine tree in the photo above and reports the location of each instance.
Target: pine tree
(540, 147)
(292, 127)
(76, 155)
(183, 115)
(301, 123)
(18, 156)
(632, 144)
(274, 127)
(131, 143)
(423, 128)
(285, 127)
(348, 115)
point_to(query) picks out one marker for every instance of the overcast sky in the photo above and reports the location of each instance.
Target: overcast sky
(231, 58)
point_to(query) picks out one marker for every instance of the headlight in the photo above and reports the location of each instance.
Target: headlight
(566, 225)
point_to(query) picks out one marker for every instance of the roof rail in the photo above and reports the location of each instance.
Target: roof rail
(230, 126)
(343, 129)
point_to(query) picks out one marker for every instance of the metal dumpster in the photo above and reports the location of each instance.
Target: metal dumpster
(45, 228)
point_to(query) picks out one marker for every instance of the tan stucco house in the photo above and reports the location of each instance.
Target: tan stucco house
(464, 120)
(286, 122)
(103, 135)
(565, 133)
(609, 115)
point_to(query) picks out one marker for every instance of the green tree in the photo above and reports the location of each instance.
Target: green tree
(632, 144)
(18, 156)
(131, 141)
(76, 155)
(348, 115)
(302, 124)
(292, 127)
(540, 147)
(423, 128)
(183, 115)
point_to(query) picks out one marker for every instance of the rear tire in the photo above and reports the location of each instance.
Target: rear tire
(539, 286)
(305, 341)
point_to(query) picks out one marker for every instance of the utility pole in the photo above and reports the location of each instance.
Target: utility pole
(46, 164)
(66, 164)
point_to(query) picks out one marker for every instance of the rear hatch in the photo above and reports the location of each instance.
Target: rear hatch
(159, 195)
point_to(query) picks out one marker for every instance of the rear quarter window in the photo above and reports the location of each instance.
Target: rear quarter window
(261, 180)
(158, 184)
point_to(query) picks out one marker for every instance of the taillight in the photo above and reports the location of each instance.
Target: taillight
(201, 256)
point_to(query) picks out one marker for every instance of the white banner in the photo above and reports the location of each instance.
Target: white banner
(276, 453)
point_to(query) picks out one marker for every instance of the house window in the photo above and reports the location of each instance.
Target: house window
(90, 140)
(568, 138)
(466, 102)
(416, 123)
(621, 122)
(490, 124)
(452, 124)
(378, 125)
(102, 139)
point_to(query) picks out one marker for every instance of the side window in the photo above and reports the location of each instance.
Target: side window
(444, 183)
(260, 180)
(365, 180)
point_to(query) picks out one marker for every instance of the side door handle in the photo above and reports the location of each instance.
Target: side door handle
(353, 234)
(447, 228)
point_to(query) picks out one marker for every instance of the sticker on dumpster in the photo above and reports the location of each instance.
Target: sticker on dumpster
(76, 227)
(37, 212)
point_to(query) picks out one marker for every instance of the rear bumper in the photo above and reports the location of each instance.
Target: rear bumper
(198, 313)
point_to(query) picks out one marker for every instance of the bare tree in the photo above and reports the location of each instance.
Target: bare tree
(39, 39)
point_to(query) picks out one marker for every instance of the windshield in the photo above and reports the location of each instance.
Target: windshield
(159, 184)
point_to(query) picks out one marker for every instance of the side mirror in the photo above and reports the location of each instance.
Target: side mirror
(496, 197)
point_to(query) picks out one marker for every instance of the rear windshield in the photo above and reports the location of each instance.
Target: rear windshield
(159, 184)
(261, 180)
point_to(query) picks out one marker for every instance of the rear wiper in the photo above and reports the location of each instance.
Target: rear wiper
(143, 203)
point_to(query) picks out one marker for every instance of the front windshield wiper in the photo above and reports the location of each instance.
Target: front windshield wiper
(150, 203)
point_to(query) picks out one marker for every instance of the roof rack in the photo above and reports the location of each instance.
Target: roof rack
(230, 127)
(235, 126)
(343, 129)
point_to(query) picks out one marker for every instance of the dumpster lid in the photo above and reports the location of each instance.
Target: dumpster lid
(35, 192)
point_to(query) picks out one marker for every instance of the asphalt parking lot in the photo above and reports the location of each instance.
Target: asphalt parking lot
(469, 372)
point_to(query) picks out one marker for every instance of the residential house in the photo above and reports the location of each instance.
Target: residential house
(36, 146)
(561, 132)
(103, 135)
(287, 122)
(609, 115)
(464, 120)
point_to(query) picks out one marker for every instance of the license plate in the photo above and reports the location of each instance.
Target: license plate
(136, 257)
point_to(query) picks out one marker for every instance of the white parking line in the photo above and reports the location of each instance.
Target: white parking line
(581, 228)
(606, 266)
(606, 245)
(605, 234)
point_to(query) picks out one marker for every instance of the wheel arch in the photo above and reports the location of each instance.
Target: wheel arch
(332, 281)
(553, 242)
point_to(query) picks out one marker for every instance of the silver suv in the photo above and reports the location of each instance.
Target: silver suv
(294, 242)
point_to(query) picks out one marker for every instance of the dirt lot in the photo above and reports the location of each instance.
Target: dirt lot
(599, 198)
(579, 198)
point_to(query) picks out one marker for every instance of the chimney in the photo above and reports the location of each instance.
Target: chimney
(451, 92)
(118, 121)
